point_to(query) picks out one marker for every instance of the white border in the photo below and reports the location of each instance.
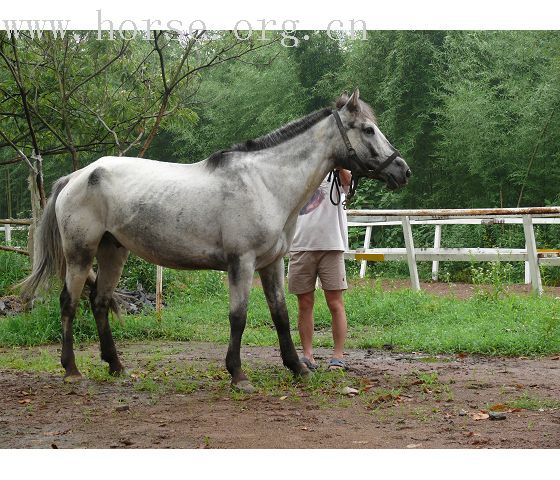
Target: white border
(378, 14)
(278, 464)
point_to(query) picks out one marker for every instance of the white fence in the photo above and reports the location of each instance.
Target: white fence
(6, 227)
(527, 217)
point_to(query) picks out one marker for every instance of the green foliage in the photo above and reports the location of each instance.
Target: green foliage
(497, 275)
(138, 272)
(236, 102)
(13, 267)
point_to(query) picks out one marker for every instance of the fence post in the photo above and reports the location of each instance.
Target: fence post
(437, 245)
(8, 233)
(159, 290)
(527, 274)
(532, 256)
(410, 254)
(363, 264)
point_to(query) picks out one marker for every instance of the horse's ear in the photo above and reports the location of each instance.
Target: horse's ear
(353, 103)
(342, 100)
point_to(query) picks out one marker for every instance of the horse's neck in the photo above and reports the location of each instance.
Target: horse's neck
(298, 166)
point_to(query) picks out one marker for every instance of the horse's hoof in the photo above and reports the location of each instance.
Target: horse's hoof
(117, 372)
(243, 386)
(73, 378)
(305, 373)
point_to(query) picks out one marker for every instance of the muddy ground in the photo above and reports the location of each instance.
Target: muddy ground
(179, 397)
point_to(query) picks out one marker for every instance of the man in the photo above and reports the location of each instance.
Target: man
(317, 250)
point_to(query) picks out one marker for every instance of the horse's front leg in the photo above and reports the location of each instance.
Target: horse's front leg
(272, 278)
(240, 276)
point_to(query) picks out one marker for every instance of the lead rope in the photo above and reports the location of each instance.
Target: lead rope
(352, 190)
(334, 175)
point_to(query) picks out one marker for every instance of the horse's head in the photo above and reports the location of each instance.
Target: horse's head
(369, 153)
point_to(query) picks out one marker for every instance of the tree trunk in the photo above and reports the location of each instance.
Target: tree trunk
(35, 186)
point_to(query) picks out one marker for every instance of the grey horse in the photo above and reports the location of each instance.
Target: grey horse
(234, 211)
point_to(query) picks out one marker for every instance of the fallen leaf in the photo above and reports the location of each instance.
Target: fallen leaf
(413, 445)
(479, 415)
(498, 407)
(283, 397)
(24, 401)
(556, 358)
(360, 442)
(349, 391)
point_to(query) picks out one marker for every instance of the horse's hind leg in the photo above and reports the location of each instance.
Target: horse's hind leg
(111, 257)
(272, 278)
(76, 274)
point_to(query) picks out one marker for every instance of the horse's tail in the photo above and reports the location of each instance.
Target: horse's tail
(48, 257)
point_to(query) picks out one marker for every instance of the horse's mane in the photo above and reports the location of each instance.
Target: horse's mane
(282, 134)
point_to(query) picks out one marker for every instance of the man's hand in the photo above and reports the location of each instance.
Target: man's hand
(345, 177)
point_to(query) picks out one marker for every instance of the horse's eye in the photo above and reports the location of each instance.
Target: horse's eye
(369, 130)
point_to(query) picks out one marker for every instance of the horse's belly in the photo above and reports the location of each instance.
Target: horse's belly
(172, 249)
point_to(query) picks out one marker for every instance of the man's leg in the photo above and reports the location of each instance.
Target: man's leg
(332, 273)
(335, 302)
(305, 323)
(302, 275)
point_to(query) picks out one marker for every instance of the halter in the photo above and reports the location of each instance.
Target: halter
(355, 160)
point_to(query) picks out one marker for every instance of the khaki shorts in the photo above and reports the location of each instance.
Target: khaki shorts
(305, 267)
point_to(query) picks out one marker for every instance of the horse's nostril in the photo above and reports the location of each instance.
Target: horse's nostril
(408, 173)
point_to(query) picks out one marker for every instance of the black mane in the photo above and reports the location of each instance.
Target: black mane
(288, 131)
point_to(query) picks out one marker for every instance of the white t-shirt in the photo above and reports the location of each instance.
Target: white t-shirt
(320, 224)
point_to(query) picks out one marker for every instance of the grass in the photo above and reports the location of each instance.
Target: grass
(197, 309)
(431, 384)
(528, 402)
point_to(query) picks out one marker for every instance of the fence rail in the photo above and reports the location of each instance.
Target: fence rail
(527, 217)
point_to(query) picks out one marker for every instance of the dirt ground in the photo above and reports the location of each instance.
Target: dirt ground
(404, 401)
